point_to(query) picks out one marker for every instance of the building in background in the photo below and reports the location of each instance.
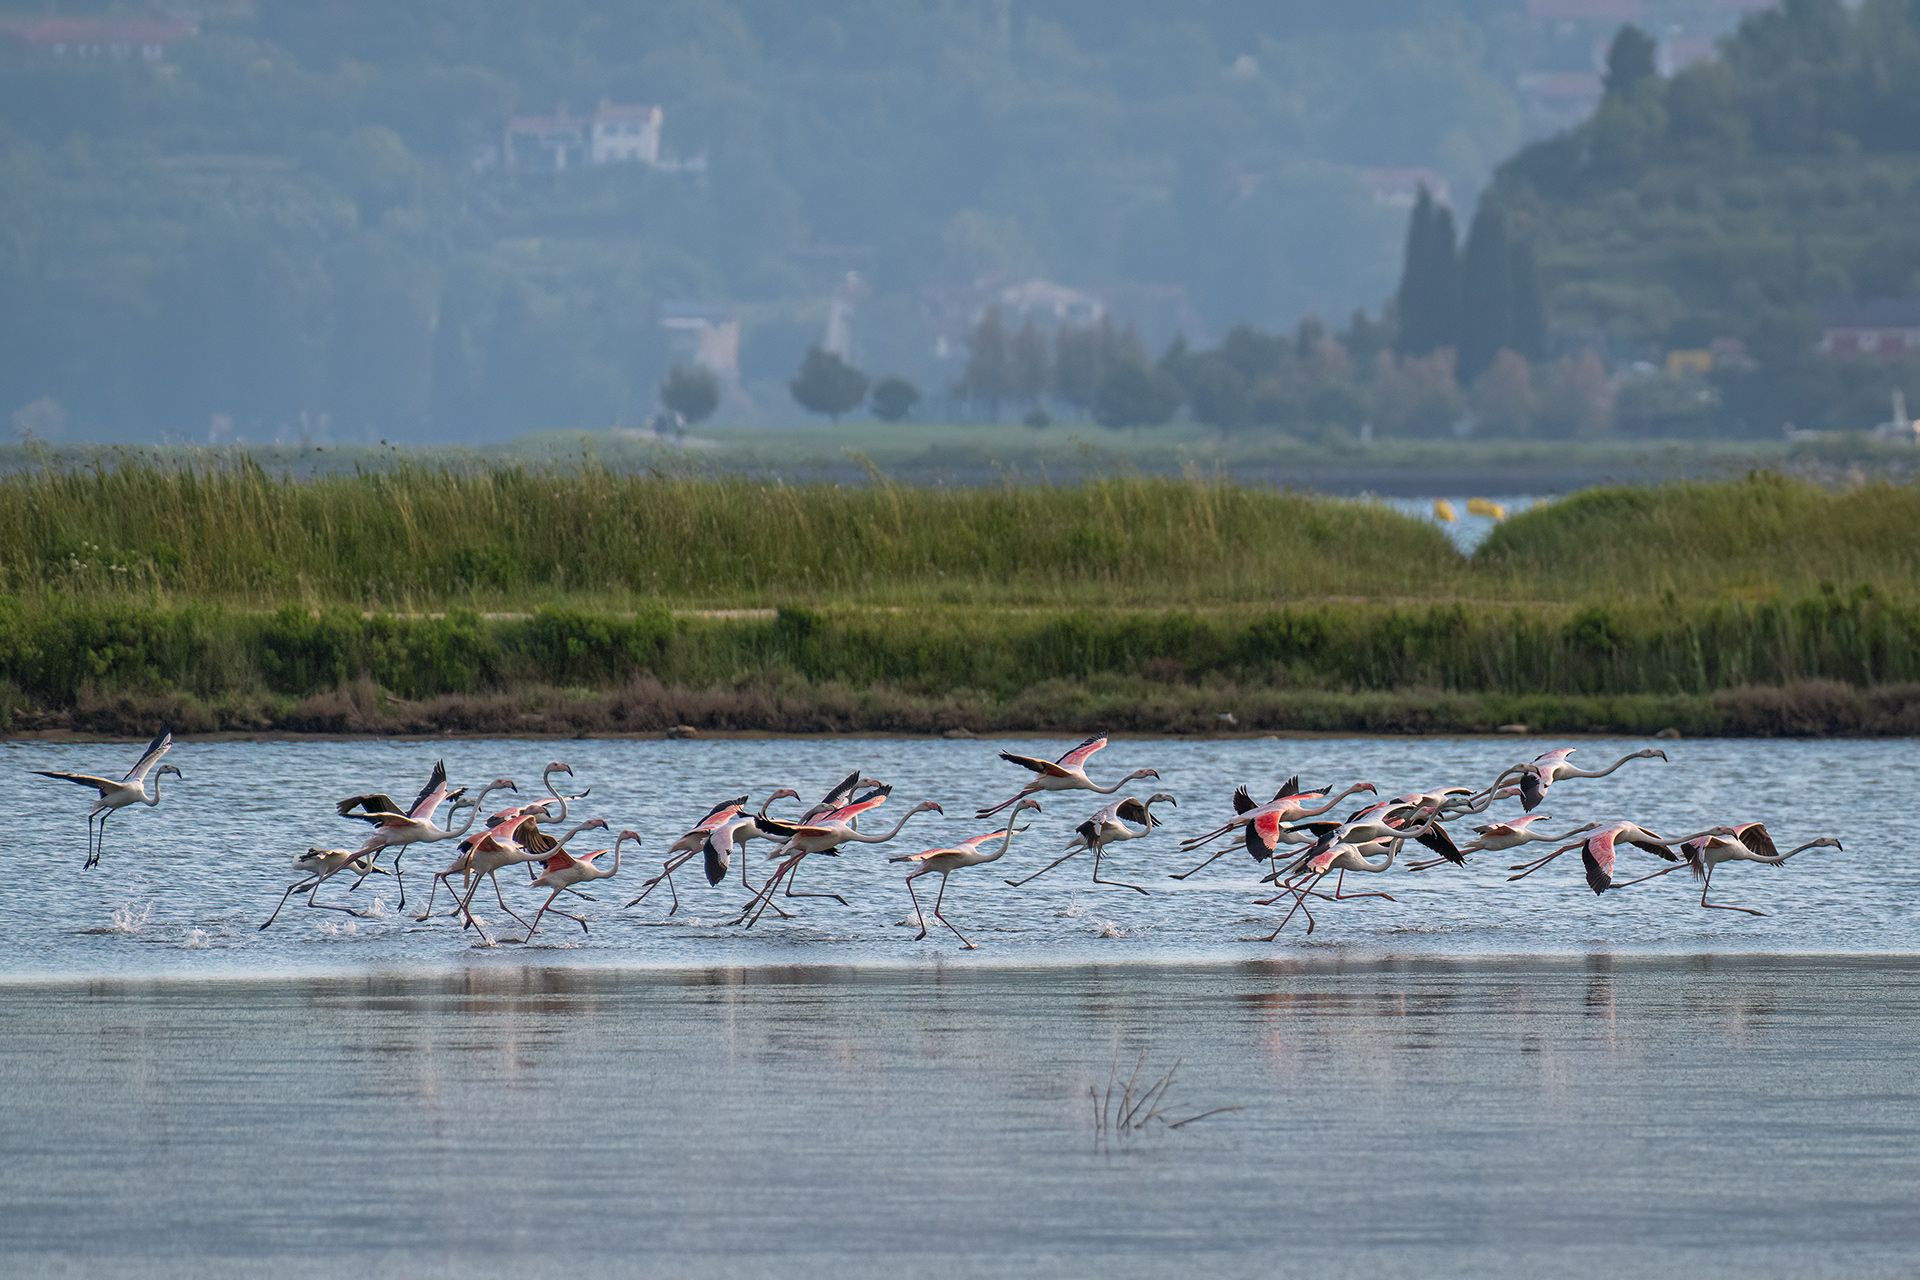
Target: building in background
(616, 133)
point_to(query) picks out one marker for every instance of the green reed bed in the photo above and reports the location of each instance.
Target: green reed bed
(511, 538)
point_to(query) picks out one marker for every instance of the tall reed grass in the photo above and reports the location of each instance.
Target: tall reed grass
(513, 538)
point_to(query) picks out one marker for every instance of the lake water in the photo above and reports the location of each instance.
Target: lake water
(1477, 1079)
(1466, 530)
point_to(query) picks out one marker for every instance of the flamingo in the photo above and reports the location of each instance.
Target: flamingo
(397, 830)
(1068, 773)
(826, 834)
(315, 866)
(1343, 856)
(1597, 851)
(564, 870)
(115, 796)
(967, 853)
(1103, 829)
(1289, 805)
(1375, 823)
(1747, 842)
(504, 845)
(1544, 770)
(1498, 837)
(700, 838)
(374, 803)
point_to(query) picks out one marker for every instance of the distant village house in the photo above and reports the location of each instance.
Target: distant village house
(616, 133)
(1879, 328)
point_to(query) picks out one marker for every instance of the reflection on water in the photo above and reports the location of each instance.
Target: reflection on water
(1586, 1115)
(182, 887)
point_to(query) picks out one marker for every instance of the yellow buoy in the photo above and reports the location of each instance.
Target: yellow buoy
(1443, 510)
(1481, 507)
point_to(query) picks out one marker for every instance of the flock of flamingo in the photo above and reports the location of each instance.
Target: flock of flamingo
(1291, 834)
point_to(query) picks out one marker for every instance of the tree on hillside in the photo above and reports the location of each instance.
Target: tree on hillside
(1500, 295)
(1136, 392)
(1630, 59)
(893, 399)
(692, 391)
(1429, 297)
(827, 384)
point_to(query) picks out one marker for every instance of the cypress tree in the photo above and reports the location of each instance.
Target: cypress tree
(1429, 298)
(1527, 320)
(1486, 293)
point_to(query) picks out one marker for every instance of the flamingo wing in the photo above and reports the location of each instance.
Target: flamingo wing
(1533, 789)
(1242, 801)
(1133, 811)
(435, 791)
(161, 744)
(102, 785)
(1754, 836)
(1597, 854)
(720, 811)
(1263, 833)
(840, 794)
(562, 860)
(1291, 787)
(1045, 767)
(1657, 850)
(846, 813)
(1437, 839)
(375, 804)
(1077, 758)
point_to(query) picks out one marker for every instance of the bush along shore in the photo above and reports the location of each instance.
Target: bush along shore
(1835, 662)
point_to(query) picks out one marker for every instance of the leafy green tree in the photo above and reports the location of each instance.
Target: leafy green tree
(893, 398)
(827, 384)
(1136, 394)
(1429, 296)
(692, 391)
(1500, 295)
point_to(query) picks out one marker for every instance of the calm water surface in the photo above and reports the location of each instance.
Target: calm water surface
(1477, 1079)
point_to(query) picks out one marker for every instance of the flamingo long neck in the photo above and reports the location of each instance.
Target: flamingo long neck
(1393, 851)
(879, 839)
(562, 842)
(474, 812)
(1789, 853)
(158, 778)
(1107, 791)
(547, 779)
(1565, 770)
(1311, 813)
(1006, 844)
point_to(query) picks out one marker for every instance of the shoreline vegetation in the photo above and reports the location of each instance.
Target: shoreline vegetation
(573, 601)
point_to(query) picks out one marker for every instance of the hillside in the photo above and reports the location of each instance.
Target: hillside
(1734, 197)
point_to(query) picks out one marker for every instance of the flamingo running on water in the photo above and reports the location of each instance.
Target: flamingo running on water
(968, 853)
(826, 834)
(565, 870)
(398, 830)
(700, 838)
(1068, 773)
(1106, 827)
(1748, 842)
(115, 796)
(1288, 806)
(505, 845)
(315, 866)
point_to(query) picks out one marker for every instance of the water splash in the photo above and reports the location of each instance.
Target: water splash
(914, 920)
(123, 920)
(378, 911)
(1108, 929)
(196, 940)
(329, 929)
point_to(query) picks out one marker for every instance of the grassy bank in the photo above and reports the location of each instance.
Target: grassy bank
(251, 599)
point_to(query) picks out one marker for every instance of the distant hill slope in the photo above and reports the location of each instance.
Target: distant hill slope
(1735, 196)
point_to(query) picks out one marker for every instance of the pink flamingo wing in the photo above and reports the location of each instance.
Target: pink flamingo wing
(1077, 757)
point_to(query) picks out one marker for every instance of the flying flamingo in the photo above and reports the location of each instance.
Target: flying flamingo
(826, 834)
(565, 870)
(1543, 771)
(1498, 837)
(315, 866)
(115, 796)
(967, 853)
(1598, 848)
(1289, 805)
(1068, 773)
(505, 845)
(1343, 856)
(1748, 842)
(1103, 829)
